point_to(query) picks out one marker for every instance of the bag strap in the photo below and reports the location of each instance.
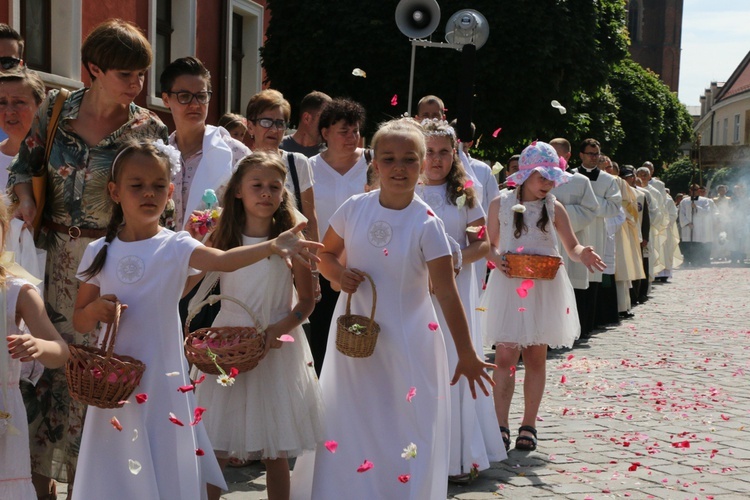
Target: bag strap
(368, 156)
(54, 120)
(295, 180)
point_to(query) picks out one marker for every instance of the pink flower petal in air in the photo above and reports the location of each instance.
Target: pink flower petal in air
(563, 379)
(394, 100)
(173, 418)
(385, 252)
(331, 446)
(404, 478)
(432, 326)
(200, 380)
(116, 423)
(519, 249)
(482, 231)
(198, 415)
(366, 465)
(570, 356)
(522, 292)
(497, 131)
(199, 452)
(410, 395)
(527, 284)
(286, 338)
(141, 398)
(468, 184)
(186, 388)
(512, 370)
(521, 309)
(491, 265)
(430, 213)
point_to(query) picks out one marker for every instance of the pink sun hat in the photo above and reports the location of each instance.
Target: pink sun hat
(541, 157)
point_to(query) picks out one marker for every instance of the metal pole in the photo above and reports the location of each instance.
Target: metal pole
(411, 75)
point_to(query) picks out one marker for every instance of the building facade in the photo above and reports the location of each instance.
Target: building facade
(225, 34)
(655, 28)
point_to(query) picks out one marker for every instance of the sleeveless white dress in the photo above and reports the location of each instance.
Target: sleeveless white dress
(367, 410)
(548, 314)
(275, 410)
(475, 435)
(15, 461)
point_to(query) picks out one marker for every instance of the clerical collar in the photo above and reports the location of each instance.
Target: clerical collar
(592, 175)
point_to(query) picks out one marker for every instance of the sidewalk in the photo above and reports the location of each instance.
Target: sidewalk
(653, 408)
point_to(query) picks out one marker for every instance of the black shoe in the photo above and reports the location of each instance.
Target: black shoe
(627, 315)
(643, 299)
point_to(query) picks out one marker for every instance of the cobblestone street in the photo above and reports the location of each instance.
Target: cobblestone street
(656, 407)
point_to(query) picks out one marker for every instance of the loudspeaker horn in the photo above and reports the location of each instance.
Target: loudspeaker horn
(467, 26)
(417, 18)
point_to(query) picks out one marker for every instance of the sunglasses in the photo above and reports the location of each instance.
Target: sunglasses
(9, 62)
(268, 123)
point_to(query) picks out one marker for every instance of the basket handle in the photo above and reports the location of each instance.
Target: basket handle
(374, 301)
(108, 344)
(213, 299)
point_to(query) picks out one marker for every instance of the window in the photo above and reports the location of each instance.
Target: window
(36, 30)
(736, 136)
(725, 131)
(171, 31)
(635, 20)
(716, 132)
(244, 38)
(52, 48)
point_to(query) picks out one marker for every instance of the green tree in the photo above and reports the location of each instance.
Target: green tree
(679, 175)
(536, 52)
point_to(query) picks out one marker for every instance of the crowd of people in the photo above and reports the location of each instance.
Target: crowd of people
(412, 231)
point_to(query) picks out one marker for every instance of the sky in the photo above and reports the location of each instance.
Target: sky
(715, 39)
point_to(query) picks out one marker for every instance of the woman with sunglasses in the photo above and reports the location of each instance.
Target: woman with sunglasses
(208, 153)
(267, 119)
(95, 121)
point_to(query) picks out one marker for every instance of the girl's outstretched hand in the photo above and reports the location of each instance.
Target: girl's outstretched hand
(25, 347)
(290, 245)
(473, 369)
(591, 260)
(350, 280)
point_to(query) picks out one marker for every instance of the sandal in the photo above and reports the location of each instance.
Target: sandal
(237, 463)
(505, 433)
(460, 478)
(526, 443)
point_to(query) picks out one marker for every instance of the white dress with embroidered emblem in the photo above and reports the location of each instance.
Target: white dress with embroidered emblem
(15, 461)
(475, 435)
(548, 314)
(151, 457)
(274, 410)
(367, 411)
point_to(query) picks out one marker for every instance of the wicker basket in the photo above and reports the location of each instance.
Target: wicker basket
(99, 377)
(240, 347)
(538, 267)
(357, 345)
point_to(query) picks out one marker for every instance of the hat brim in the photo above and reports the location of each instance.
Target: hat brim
(554, 174)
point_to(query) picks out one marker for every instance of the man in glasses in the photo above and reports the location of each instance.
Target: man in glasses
(11, 54)
(608, 196)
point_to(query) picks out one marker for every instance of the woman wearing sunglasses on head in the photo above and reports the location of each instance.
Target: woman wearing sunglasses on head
(267, 119)
(208, 153)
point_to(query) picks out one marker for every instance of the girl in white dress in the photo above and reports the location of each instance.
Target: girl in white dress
(387, 415)
(525, 316)
(163, 450)
(275, 410)
(29, 336)
(475, 436)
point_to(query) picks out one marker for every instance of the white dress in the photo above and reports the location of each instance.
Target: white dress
(332, 189)
(149, 277)
(367, 410)
(548, 314)
(475, 435)
(275, 410)
(15, 458)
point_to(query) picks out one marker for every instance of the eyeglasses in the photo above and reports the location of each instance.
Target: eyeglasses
(9, 62)
(184, 97)
(268, 123)
(593, 155)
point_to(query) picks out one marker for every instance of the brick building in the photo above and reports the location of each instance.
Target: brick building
(225, 34)
(655, 28)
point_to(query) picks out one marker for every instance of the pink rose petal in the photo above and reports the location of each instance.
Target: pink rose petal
(233, 372)
(512, 370)
(482, 231)
(286, 338)
(527, 284)
(430, 213)
(519, 249)
(563, 379)
(331, 446)
(522, 292)
(410, 395)
(385, 252)
(173, 418)
(404, 478)
(198, 415)
(491, 265)
(497, 131)
(432, 326)
(468, 184)
(394, 100)
(199, 452)
(366, 465)
(521, 309)
(141, 398)
(186, 388)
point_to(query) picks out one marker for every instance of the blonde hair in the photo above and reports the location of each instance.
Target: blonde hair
(403, 127)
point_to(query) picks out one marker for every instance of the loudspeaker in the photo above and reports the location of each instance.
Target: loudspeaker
(467, 27)
(417, 18)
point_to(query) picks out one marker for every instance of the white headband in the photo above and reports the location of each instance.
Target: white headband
(172, 154)
(447, 131)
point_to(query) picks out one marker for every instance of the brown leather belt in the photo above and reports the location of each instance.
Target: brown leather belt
(74, 232)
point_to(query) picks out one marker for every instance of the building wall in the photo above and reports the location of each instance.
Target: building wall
(734, 112)
(656, 37)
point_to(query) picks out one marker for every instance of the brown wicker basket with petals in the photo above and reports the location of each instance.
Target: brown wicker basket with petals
(359, 344)
(538, 267)
(240, 347)
(99, 377)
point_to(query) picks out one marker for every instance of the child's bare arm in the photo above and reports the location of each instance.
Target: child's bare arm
(91, 309)
(576, 251)
(44, 343)
(305, 304)
(340, 276)
(478, 248)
